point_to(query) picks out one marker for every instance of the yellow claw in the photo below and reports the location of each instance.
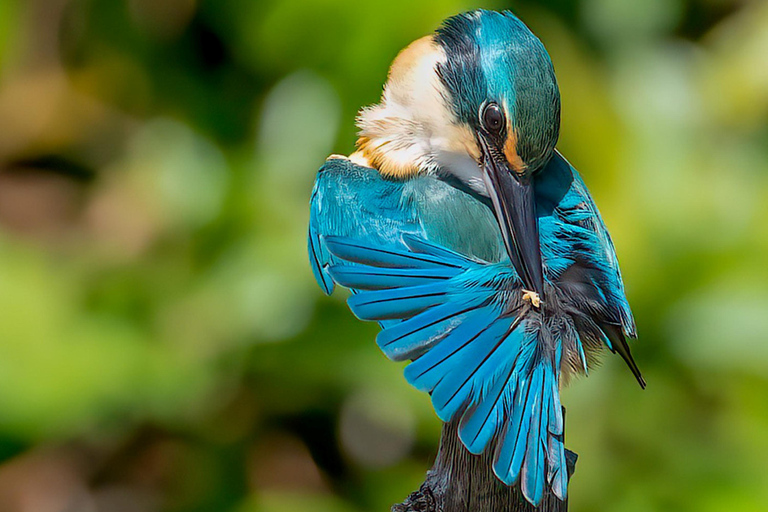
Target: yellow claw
(532, 297)
(356, 158)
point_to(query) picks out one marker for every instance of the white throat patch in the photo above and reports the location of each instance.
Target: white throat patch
(413, 129)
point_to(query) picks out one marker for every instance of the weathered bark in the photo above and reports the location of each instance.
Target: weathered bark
(462, 482)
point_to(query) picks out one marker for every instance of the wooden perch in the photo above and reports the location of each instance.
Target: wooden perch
(461, 482)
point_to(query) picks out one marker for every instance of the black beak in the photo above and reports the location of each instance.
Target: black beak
(514, 204)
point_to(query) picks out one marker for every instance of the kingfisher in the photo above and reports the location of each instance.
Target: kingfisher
(462, 231)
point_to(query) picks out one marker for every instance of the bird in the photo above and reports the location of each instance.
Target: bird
(461, 229)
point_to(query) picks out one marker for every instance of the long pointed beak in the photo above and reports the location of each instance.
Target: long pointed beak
(515, 207)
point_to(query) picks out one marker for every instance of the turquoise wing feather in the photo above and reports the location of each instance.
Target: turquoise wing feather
(355, 201)
(426, 261)
(350, 200)
(580, 258)
(476, 347)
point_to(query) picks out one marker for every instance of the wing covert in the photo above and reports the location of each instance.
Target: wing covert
(354, 201)
(585, 269)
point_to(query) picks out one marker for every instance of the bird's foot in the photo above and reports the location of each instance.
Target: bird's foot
(532, 297)
(356, 158)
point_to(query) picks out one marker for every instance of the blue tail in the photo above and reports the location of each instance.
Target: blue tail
(487, 358)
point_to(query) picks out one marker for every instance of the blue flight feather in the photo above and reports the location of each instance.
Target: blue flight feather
(409, 338)
(533, 472)
(318, 260)
(396, 303)
(470, 368)
(426, 371)
(479, 423)
(349, 250)
(488, 358)
(373, 278)
(442, 254)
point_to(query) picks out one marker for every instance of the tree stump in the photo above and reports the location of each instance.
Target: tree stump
(462, 482)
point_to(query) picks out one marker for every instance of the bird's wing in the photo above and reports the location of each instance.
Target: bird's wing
(477, 347)
(357, 202)
(486, 356)
(581, 258)
(432, 276)
(354, 201)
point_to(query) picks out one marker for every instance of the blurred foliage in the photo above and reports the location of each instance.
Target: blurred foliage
(163, 346)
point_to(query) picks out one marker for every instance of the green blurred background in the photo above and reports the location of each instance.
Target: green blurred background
(163, 346)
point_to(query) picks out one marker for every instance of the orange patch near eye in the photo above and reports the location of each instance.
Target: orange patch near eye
(510, 150)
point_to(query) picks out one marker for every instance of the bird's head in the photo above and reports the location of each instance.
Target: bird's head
(475, 104)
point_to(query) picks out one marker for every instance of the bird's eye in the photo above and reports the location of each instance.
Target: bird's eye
(492, 118)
